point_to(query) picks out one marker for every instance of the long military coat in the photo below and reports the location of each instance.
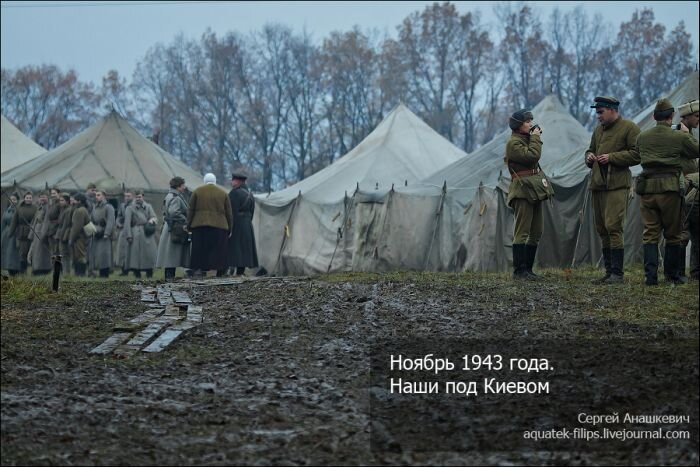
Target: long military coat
(10, 253)
(101, 247)
(40, 250)
(173, 255)
(241, 245)
(142, 250)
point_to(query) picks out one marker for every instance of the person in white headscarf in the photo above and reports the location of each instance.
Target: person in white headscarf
(210, 220)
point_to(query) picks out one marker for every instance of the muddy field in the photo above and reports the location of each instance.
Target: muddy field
(278, 373)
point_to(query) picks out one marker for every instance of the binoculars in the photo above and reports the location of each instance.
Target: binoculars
(536, 127)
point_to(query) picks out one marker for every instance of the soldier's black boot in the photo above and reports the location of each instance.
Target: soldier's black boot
(651, 263)
(22, 267)
(519, 262)
(104, 272)
(240, 271)
(80, 269)
(169, 273)
(681, 263)
(530, 253)
(125, 272)
(617, 269)
(149, 273)
(137, 273)
(607, 261)
(221, 272)
(672, 264)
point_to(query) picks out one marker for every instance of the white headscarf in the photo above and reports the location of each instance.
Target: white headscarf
(210, 179)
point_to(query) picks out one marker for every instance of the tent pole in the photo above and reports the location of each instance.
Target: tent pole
(435, 226)
(284, 233)
(578, 233)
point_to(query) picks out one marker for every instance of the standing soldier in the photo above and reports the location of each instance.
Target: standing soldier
(21, 228)
(140, 226)
(39, 252)
(174, 246)
(122, 244)
(90, 196)
(528, 188)
(691, 231)
(101, 245)
(10, 255)
(661, 187)
(78, 239)
(241, 246)
(610, 155)
(63, 231)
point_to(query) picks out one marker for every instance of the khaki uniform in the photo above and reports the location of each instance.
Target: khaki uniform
(51, 226)
(528, 188)
(661, 187)
(610, 183)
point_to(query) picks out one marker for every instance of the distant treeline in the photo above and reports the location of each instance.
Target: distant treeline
(282, 105)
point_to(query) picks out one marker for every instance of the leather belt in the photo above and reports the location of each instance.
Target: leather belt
(528, 172)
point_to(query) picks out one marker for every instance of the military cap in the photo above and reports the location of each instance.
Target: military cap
(605, 101)
(238, 175)
(663, 105)
(91, 185)
(689, 108)
(518, 118)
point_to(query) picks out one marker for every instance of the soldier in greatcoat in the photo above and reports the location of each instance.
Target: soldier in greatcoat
(690, 116)
(10, 254)
(142, 248)
(21, 228)
(241, 246)
(174, 246)
(63, 232)
(122, 245)
(101, 245)
(39, 253)
(78, 239)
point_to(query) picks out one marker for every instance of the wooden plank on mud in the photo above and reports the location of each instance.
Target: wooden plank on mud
(126, 350)
(164, 340)
(173, 311)
(194, 313)
(165, 296)
(112, 342)
(184, 325)
(150, 331)
(148, 315)
(148, 295)
(181, 297)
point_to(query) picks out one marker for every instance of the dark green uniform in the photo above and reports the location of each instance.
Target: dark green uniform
(661, 187)
(610, 184)
(21, 229)
(528, 188)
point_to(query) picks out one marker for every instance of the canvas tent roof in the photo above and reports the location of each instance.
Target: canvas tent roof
(17, 148)
(401, 149)
(561, 134)
(109, 148)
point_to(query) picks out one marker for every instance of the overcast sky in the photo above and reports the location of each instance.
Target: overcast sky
(93, 37)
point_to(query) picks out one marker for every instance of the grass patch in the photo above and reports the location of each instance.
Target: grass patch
(15, 290)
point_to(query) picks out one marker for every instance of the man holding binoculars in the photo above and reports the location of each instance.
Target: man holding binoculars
(610, 155)
(528, 188)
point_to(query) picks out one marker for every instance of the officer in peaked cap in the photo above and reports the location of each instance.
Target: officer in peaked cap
(242, 252)
(661, 190)
(610, 155)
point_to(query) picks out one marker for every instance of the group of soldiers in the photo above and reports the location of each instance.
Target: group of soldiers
(88, 236)
(667, 186)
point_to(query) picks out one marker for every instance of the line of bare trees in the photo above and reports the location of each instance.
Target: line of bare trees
(282, 106)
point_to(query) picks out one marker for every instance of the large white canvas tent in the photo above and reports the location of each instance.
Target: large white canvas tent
(312, 226)
(109, 148)
(17, 148)
(366, 224)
